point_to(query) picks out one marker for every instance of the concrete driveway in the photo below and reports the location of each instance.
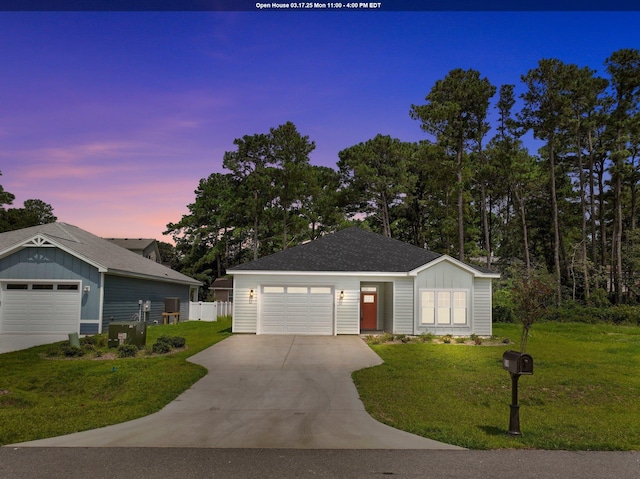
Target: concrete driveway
(16, 342)
(264, 392)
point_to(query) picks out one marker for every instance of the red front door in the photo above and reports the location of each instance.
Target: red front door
(369, 310)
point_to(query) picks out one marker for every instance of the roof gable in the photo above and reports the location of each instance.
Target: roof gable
(350, 250)
(103, 254)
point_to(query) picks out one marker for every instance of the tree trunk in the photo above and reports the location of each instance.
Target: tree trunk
(255, 226)
(556, 225)
(485, 223)
(617, 240)
(525, 234)
(603, 228)
(583, 205)
(460, 208)
(386, 223)
(592, 204)
(284, 228)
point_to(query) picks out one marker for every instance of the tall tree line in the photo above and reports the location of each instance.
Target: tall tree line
(468, 190)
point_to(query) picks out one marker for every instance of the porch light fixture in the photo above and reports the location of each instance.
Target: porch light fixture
(251, 294)
(341, 294)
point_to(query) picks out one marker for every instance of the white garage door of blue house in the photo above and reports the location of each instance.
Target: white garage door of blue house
(296, 310)
(40, 307)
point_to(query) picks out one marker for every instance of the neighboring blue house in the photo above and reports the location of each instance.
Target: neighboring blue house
(353, 281)
(58, 278)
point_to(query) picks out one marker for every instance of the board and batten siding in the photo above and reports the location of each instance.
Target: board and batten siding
(449, 276)
(48, 263)
(482, 322)
(122, 294)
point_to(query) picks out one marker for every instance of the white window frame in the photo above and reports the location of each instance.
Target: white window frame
(444, 307)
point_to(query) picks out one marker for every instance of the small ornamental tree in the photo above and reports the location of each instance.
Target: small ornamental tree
(531, 296)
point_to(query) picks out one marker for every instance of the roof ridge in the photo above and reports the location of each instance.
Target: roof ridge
(68, 235)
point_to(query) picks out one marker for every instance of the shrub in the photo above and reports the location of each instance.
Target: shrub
(386, 337)
(503, 306)
(599, 299)
(72, 351)
(477, 340)
(164, 339)
(161, 347)
(164, 344)
(97, 341)
(426, 337)
(446, 339)
(127, 351)
(502, 314)
(572, 312)
(460, 340)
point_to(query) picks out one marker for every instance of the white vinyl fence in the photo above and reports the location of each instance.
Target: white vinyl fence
(209, 311)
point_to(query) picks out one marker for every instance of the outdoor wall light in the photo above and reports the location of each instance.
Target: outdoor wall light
(341, 294)
(251, 294)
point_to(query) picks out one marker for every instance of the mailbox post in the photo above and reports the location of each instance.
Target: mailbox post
(517, 364)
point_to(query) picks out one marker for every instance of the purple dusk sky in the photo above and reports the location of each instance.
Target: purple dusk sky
(114, 117)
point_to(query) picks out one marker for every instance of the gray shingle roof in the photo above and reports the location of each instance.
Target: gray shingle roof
(132, 243)
(352, 249)
(114, 258)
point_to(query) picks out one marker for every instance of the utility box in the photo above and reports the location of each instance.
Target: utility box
(172, 305)
(127, 332)
(517, 363)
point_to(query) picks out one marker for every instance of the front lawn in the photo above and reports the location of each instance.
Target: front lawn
(44, 396)
(584, 393)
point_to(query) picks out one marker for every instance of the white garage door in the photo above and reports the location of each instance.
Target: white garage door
(40, 308)
(297, 310)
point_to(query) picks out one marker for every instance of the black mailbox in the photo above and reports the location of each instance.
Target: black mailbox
(517, 363)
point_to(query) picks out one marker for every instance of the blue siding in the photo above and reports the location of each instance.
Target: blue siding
(54, 264)
(121, 296)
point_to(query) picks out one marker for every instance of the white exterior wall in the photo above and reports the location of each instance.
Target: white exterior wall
(448, 276)
(398, 296)
(403, 301)
(445, 275)
(482, 322)
(387, 303)
(245, 311)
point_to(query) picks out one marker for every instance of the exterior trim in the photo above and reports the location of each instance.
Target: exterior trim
(42, 241)
(460, 264)
(318, 273)
(101, 303)
(127, 274)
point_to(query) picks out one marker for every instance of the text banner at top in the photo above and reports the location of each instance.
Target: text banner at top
(253, 6)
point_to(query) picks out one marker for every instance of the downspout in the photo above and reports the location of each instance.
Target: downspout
(101, 302)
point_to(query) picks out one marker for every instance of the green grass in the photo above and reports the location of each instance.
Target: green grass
(584, 393)
(44, 397)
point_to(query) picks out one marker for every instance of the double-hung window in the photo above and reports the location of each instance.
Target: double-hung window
(442, 307)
